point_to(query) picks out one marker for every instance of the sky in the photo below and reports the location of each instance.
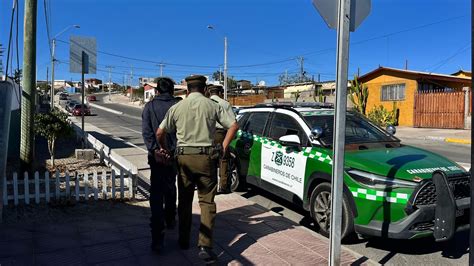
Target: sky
(265, 37)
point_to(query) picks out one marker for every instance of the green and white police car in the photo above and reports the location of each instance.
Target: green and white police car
(388, 186)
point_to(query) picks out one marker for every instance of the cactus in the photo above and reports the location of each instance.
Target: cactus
(319, 94)
(359, 94)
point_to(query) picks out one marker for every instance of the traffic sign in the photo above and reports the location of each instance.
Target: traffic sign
(359, 10)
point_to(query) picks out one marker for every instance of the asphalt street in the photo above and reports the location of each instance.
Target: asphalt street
(421, 251)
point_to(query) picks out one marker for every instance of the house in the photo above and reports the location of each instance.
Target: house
(93, 82)
(149, 90)
(463, 74)
(145, 80)
(405, 87)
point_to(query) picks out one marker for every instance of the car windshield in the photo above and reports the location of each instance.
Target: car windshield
(358, 129)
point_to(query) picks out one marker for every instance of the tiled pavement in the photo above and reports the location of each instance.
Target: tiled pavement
(107, 233)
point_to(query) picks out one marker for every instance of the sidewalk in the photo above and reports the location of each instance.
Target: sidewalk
(113, 233)
(460, 136)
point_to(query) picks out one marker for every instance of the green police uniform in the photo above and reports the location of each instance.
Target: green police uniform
(220, 135)
(194, 121)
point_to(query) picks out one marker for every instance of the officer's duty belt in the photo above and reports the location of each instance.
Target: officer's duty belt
(194, 150)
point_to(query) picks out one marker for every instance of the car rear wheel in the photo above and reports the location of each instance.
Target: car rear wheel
(321, 211)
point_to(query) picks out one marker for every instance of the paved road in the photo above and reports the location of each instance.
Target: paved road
(421, 251)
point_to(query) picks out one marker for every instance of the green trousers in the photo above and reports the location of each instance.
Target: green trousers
(223, 171)
(197, 171)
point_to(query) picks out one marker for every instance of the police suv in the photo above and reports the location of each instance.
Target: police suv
(389, 188)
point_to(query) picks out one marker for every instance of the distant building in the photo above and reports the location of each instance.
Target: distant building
(144, 80)
(93, 82)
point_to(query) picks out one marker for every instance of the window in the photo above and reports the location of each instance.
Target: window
(283, 125)
(393, 92)
(256, 123)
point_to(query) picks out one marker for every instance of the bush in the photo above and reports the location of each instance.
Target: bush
(383, 117)
(52, 126)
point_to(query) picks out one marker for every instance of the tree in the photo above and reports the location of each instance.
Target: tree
(286, 79)
(218, 75)
(52, 126)
(359, 94)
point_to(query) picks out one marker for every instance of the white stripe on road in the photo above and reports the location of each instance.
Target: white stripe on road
(133, 130)
(105, 109)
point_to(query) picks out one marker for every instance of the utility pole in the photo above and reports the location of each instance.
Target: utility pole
(130, 82)
(47, 77)
(110, 81)
(161, 69)
(286, 76)
(301, 61)
(53, 62)
(225, 68)
(220, 75)
(28, 88)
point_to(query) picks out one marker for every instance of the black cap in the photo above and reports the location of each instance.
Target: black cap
(196, 80)
(215, 89)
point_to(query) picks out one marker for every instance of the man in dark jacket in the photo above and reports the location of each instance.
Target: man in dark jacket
(163, 176)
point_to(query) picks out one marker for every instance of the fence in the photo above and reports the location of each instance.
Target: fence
(439, 110)
(79, 186)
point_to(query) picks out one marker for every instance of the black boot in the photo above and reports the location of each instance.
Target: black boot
(207, 255)
(157, 243)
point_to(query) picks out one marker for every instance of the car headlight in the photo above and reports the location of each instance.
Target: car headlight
(378, 181)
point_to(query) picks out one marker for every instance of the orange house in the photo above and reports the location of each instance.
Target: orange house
(390, 85)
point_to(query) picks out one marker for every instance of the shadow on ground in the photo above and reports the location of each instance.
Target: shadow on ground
(453, 249)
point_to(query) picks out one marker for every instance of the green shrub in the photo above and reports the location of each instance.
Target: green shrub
(382, 117)
(52, 126)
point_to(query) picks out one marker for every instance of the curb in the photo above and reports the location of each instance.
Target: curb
(105, 109)
(459, 141)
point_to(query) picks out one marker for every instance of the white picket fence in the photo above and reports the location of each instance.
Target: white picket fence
(79, 186)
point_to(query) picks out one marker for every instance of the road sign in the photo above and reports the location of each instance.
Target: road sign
(79, 44)
(359, 10)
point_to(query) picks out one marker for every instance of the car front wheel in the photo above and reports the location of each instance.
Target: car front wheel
(321, 211)
(235, 180)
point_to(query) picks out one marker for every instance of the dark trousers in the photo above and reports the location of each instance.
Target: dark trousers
(223, 164)
(162, 190)
(197, 171)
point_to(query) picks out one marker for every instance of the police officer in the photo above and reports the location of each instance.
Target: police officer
(194, 120)
(215, 92)
(163, 176)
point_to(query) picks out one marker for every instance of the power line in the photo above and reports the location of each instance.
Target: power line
(446, 60)
(48, 32)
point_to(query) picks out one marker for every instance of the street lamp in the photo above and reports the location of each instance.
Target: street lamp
(53, 60)
(210, 27)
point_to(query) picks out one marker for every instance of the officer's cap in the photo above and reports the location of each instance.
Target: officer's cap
(215, 89)
(196, 80)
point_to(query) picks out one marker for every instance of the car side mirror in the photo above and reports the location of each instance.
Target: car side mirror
(290, 140)
(317, 133)
(391, 130)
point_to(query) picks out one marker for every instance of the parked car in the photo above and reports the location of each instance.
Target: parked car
(77, 110)
(63, 97)
(389, 188)
(91, 98)
(70, 105)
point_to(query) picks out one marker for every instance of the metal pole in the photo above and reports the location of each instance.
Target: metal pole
(52, 72)
(29, 77)
(83, 96)
(225, 68)
(471, 220)
(161, 69)
(339, 131)
(110, 82)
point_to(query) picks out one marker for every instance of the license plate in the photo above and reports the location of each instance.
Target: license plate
(459, 213)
